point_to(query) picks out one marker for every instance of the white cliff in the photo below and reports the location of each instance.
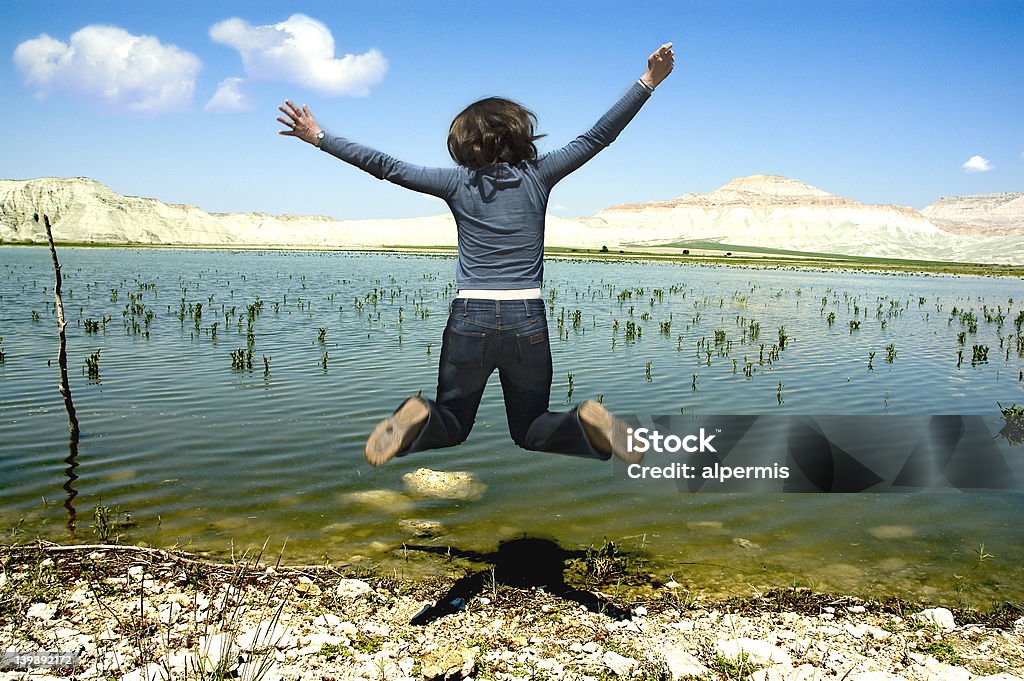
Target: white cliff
(757, 211)
(984, 214)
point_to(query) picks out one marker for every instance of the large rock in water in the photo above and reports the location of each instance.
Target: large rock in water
(444, 485)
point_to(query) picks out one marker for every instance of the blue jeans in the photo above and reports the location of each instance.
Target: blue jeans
(512, 337)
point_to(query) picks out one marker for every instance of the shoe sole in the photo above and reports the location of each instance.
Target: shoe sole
(395, 433)
(606, 432)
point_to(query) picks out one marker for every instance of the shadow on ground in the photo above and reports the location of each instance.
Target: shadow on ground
(520, 563)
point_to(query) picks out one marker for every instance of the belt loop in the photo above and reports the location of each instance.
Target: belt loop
(465, 307)
(497, 308)
(526, 307)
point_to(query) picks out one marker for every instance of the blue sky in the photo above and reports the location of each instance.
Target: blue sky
(882, 102)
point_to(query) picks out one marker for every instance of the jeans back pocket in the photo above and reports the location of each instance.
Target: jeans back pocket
(466, 348)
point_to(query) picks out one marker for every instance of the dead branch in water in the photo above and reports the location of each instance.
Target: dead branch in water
(62, 355)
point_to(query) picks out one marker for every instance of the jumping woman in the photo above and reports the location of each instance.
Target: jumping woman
(498, 194)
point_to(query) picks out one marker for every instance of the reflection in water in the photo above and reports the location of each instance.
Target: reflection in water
(520, 563)
(69, 473)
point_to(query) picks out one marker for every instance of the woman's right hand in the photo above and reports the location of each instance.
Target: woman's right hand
(300, 123)
(659, 65)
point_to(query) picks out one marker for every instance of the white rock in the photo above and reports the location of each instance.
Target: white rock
(682, 664)
(933, 670)
(218, 651)
(41, 611)
(387, 500)
(998, 677)
(263, 636)
(576, 647)
(329, 620)
(169, 613)
(939, 617)
(619, 664)
(444, 484)
(876, 676)
(879, 634)
(640, 611)
(351, 588)
(151, 672)
(135, 572)
(804, 672)
(758, 652)
(590, 647)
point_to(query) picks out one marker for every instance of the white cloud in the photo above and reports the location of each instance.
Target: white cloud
(300, 50)
(107, 63)
(228, 97)
(977, 164)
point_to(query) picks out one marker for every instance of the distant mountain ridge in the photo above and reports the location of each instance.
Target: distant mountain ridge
(983, 214)
(766, 211)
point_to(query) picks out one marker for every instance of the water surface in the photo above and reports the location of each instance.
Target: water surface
(206, 456)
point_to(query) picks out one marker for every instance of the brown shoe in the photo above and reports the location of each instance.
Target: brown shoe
(394, 434)
(606, 432)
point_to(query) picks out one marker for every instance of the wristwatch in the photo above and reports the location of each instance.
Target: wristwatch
(319, 138)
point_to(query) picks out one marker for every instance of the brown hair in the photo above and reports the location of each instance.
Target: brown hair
(491, 131)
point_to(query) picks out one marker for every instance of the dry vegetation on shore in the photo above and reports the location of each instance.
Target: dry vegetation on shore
(139, 613)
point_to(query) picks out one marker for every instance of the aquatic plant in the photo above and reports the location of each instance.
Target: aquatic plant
(783, 338)
(92, 366)
(979, 354)
(91, 326)
(890, 353)
(871, 359)
(107, 523)
(854, 325)
(572, 387)
(321, 335)
(1013, 424)
(35, 316)
(266, 366)
(831, 318)
(647, 372)
(241, 359)
(778, 393)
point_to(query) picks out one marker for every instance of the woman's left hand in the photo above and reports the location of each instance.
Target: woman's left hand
(300, 123)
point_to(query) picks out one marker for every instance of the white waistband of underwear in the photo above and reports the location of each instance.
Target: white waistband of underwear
(500, 294)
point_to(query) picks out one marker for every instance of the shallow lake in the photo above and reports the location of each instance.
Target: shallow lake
(186, 450)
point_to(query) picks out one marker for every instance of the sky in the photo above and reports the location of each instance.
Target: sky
(881, 102)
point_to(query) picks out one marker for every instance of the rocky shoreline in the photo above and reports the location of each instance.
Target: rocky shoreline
(136, 613)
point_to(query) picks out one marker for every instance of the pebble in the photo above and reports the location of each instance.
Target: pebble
(619, 664)
(759, 652)
(939, 617)
(682, 664)
(351, 588)
(42, 611)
